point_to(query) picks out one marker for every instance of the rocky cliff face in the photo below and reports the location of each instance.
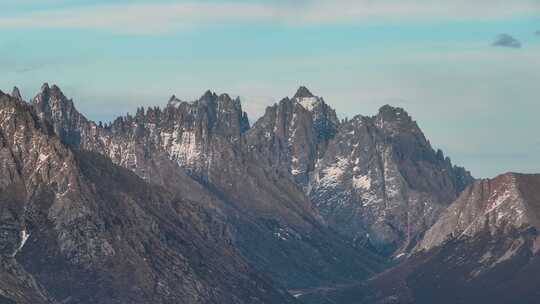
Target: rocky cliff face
(273, 222)
(77, 229)
(209, 206)
(185, 131)
(16, 285)
(381, 183)
(16, 94)
(54, 107)
(484, 248)
(293, 134)
(377, 179)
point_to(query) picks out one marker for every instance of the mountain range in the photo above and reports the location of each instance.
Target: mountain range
(189, 203)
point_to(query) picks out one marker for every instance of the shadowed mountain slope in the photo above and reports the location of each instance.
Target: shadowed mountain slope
(78, 229)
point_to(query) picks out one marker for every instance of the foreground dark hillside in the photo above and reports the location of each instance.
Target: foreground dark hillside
(78, 229)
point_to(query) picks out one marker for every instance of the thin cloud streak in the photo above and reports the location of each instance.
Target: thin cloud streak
(135, 18)
(168, 17)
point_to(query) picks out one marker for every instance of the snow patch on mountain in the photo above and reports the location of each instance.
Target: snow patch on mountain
(182, 147)
(309, 103)
(295, 166)
(332, 175)
(24, 237)
(361, 182)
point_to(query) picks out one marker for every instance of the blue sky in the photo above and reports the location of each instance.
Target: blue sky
(478, 102)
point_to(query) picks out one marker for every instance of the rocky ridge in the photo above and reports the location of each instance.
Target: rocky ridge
(304, 197)
(376, 179)
(74, 225)
(275, 226)
(294, 133)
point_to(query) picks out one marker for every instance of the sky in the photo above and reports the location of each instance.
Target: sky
(468, 73)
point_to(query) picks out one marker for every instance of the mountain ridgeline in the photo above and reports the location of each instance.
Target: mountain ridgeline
(190, 202)
(75, 228)
(376, 179)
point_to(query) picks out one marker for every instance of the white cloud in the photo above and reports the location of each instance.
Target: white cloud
(158, 18)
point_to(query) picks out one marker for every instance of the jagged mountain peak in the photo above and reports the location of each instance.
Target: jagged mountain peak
(53, 106)
(225, 97)
(209, 98)
(50, 93)
(55, 87)
(390, 110)
(392, 114)
(396, 123)
(15, 93)
(9, 101)
(309, 101)
(174, 101)
(45, 87)
(303, 92)
(209, 94)
(286, 101)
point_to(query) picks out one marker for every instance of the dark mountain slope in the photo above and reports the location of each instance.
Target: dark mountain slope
(485, 249)
(88, 231)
